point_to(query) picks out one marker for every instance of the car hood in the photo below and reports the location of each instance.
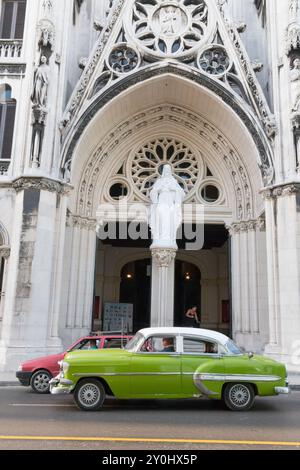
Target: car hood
(42, 361)
(96, 355)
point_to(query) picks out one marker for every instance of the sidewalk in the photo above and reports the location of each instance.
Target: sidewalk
(9, 379)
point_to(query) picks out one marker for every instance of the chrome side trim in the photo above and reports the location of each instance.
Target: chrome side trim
(239, 377)
(126, 374)
(200, 385)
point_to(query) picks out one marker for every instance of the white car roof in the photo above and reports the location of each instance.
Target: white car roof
(209, 334)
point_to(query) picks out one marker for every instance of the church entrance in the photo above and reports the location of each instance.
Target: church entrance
(123, 277)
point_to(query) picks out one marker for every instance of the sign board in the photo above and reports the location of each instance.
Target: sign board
(118, 317)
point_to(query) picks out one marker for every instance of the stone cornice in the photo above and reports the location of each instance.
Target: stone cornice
(4, 252)
(41, 184)
(288, 189)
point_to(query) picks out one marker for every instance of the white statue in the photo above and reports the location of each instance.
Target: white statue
(295, 84)
(170, 18)
(41, 83)
(166, 211)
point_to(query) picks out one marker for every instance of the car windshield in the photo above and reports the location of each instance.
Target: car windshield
(232, 348)
(134, 342)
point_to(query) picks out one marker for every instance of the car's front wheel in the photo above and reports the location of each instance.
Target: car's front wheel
(89, 395)
(239, 396)
(39, 381)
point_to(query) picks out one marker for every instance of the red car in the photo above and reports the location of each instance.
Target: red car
(38, 372)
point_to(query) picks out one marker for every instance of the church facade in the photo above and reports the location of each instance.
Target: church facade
(96, 98)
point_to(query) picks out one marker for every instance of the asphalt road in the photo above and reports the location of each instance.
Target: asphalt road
(30, 421)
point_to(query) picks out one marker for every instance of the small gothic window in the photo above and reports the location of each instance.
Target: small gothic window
(7, 121)
(12, 19)
(210, 193)
(118, 191)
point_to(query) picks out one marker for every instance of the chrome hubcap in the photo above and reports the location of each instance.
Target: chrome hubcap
(41, 382)
(239, 395)
(89, 395)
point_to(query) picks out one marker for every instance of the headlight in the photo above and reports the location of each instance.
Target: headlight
(65, 366)
(20, 368)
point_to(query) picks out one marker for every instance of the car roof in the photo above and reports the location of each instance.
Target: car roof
(209, 334)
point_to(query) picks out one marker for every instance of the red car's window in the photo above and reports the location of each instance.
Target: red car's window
(114, 342)
(87, 343)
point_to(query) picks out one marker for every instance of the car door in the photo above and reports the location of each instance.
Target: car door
(156, 373)
(202, 364)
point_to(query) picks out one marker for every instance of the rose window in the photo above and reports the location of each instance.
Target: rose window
(147, 164)
(172, 28)
(123, 59)
(214, 61)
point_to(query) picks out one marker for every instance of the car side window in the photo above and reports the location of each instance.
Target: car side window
(114, 343)
(159, 344)
(199, 346)
(81, 345)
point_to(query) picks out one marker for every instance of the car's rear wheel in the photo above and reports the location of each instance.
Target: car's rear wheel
(39, 381)
(89, 395)
(239, 396)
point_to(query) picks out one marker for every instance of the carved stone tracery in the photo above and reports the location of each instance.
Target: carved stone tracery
(179, 116)
(173, 28)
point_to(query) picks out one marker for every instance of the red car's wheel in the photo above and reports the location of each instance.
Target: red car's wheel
(39, 381)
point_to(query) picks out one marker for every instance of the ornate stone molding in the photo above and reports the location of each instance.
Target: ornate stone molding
(268, 119)
(91, 66)
(46, 34)
(163, 257)
(4, 252)
(174, 115)
(85, 223)
(281, 191)
(184, 72)
(16, 70)
(40, 184)
(247, 226)
(293, 30)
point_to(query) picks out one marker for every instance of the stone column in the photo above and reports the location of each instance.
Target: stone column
(27, 329)
(4, 255)
(247, 309)
(283, 228)
(81, 274)
(162, 289)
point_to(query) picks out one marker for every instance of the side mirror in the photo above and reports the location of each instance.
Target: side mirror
(250, 355)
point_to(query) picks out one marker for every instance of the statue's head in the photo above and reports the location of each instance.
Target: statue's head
(43, 59)
(296, 63)
(167, 171)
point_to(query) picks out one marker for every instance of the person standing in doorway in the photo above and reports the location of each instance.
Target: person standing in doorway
(194, 317)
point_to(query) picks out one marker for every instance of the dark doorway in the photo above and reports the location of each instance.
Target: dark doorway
(135, 289)
(187, 291)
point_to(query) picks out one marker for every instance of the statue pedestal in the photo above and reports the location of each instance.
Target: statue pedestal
(162, 297)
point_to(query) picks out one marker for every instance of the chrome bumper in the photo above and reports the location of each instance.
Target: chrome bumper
(282, 390)
(60, 386)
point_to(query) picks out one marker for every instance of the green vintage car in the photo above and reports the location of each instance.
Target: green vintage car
(170, 363)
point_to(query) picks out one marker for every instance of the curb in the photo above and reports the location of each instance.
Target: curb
(10, 384)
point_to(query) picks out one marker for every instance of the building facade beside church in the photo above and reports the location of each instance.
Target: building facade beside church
(96, 96)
